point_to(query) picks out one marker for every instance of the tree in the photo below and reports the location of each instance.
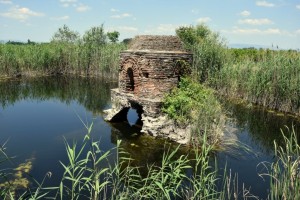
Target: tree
(95, 36)
(113, 36)
(64, 34)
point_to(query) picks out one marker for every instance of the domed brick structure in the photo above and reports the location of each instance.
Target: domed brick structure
(149, 69)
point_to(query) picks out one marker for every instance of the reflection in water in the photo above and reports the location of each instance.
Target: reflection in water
(263, 127)
(35, 115)
(258, 129)
(19, 179)
(92, 93)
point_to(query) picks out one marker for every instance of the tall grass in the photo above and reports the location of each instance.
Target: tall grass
(59, 58)
(272, 81)
(269, 78)
(284, 172)
(169, 180)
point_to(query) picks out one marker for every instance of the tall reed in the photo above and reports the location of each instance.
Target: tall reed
(272, 82)
(58, 58)
(284, 172)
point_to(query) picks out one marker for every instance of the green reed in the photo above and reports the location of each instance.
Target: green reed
(284, 172)
(270, 79)
(59, 58)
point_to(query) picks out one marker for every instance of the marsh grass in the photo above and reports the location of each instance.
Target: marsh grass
(270, 79)
(85, 179)
(284, 172)
(59, 58)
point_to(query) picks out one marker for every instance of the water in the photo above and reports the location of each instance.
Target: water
(37, 114)
(258, 129)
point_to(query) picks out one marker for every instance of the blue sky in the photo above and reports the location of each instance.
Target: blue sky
(251, 22)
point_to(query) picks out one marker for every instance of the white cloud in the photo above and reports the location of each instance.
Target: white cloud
(203, 20)
(82, 8)
(21, 13)
(297, 31)
(6, 1)
(264, 4)
(298, 6)
(124, 15)
(66, 17)
(246, 31)
(114, 10)
(245, 13)
(263, 21)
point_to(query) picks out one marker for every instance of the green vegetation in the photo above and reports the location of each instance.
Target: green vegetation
(209, 50)
(284, 172)
(57, 58)
(66, 54)
(270, 78)
(263, 77)
(192, 103)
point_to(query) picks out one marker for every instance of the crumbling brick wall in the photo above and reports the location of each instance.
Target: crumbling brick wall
(152, 66)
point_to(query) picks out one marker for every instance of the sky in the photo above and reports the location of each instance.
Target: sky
(272, 23)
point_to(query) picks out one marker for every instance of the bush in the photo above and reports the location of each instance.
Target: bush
(192, 103)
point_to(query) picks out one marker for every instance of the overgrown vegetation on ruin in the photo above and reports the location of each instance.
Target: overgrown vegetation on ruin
(196, 105)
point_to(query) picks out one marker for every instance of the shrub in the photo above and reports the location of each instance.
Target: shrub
(193, 103)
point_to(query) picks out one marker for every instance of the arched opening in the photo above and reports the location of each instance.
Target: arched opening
(130, 80)
(131, 115)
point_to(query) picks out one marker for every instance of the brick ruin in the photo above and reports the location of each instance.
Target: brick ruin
(149, 69)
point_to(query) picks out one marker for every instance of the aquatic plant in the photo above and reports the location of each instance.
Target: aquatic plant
(284, 172)
(266, 80)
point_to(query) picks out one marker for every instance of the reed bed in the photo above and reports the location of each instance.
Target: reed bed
(271, 80)
(59, 58)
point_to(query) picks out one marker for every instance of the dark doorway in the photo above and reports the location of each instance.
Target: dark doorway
(130, 81)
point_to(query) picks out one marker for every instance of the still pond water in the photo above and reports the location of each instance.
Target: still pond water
(36, 114)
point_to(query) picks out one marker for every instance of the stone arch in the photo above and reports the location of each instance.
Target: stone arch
(129, 75)
(121, 116)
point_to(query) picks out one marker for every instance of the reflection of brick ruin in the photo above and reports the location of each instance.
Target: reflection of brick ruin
(148, 70)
